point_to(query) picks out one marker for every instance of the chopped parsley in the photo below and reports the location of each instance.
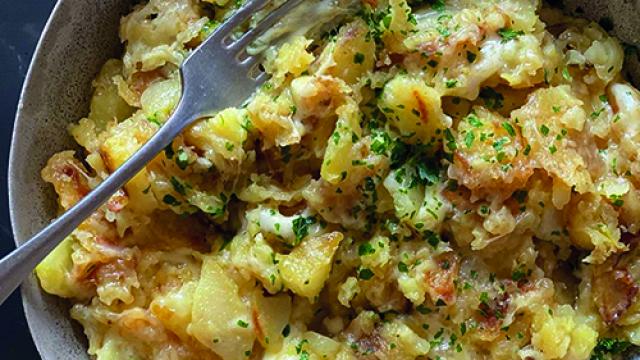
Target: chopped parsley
(365, 274)
(444, 31)
(335, 137)
(484, 298)
(616, 200)
(243, 324)
(178, 186)
(386, 21)
(471, 57)
(358, 58)
(609, 346)
(492, 99)
(168, 151)
(301, 226)
(286, 330)
(380, 142)
(597, 113)
(154, 119)
(182, 159)
(474, 121)
(544, 129)
(402, 267)
(432, 238)
(427, 175)
(509, 128)
(300, 346)
(208, 28)
(518, 274)
(170, 200)
(399, 153)
(499, 144)
(451, 141)
(508, 34)
(366, 249)
(437, 5)
(468, 139)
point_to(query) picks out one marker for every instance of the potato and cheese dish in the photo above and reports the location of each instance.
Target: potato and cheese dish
(424, 180)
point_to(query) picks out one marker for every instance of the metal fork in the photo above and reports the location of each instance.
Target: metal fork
(217, 75)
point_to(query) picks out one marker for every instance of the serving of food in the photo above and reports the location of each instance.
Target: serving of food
(423, 179)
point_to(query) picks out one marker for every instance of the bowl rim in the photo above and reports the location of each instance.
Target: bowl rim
(18, 125)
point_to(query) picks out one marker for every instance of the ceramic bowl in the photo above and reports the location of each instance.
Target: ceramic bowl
(78, 38)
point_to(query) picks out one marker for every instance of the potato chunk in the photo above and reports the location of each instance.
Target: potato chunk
(488, 155)
(615, 289)
(305, 270)
(123, 141)
(159, 99)
(593, 225)
(220, 136)
(55, 272)
(68, 176)
(561, 333)
(408, 345)
(106, 104)
(174, 308)
(341, 154)
(156, 32)
(293, 58)
(550, 121)
(274, 119)
(318, 97)
(415, 109)
(220, 319)
(308, 345)
(271, 315)
(115, 347)
(423, 207)
(351, 55)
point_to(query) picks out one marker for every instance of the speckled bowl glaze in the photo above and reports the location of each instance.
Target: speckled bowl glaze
(79, 37)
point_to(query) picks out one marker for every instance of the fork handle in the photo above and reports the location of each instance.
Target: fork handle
(16, 266)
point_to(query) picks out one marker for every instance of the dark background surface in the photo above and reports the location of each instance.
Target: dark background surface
(20, 25)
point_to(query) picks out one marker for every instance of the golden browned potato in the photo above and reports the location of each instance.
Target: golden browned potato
(229, 329)
(351, 55)
(489, 154)
(415, 109)
(305, 270)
